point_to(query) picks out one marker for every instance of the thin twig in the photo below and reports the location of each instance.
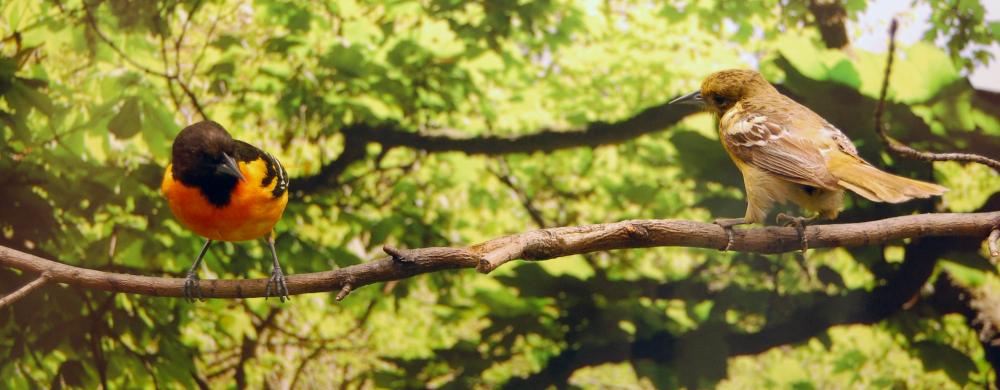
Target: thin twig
(902, 149)
(507, 178)
(170, 78)
(170, 86)
(24, 290)
(121, 53)
(194, 99)
(179, 42)
(344, 291)
(208, 42)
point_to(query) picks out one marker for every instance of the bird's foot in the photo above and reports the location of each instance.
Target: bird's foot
(727, 225)
(800, 226)
(192, 291)
(277, 284)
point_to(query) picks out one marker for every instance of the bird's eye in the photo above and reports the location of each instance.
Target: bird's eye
(719, 100)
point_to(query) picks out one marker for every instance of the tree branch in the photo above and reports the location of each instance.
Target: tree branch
(533, 245)
(24, 290)
(856, 306)
(391, 135)
(831, 18)
(248, 348)
(902, 149)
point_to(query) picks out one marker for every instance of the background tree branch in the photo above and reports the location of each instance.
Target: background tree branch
(540, 244)
(856, 306)
(831, 21)
(391, 135)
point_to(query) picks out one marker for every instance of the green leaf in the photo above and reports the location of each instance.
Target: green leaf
(922, 71)
(73, 373)
(177, 363)
(298, 21)
(845, 73)
(281, 44)
(7, 68)
(225, 41)
(384, 228)
(702, 353)
(349, 60)
(940, 356)
(660, 376)
(128, 121)
(803, 385)
(32, 96)
(830, 277)
(159, 128)
(343, 257)
(969, 269)
(850, 361)
(226, 68)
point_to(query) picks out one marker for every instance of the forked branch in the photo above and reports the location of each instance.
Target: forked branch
(24, 290)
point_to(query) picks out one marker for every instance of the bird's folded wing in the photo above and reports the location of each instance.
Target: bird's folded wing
(767, 145)
(247, 152)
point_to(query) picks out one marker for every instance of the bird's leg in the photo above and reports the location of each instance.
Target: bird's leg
(800, 226)
(727, 225)
(277, 279)
(191, 287)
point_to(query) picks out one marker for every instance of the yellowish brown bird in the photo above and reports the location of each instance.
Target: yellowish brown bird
(788, 153)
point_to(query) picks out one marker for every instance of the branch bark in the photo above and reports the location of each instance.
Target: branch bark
(831, 18)
(533, 245)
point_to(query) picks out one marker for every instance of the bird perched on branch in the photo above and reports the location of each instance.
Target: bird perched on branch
(225, 189)
(786, 152)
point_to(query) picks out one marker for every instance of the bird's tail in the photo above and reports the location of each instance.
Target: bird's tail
(878, 186)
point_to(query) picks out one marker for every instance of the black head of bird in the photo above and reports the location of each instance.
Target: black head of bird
(203, 153)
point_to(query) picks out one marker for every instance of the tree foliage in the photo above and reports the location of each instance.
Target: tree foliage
(93, 91)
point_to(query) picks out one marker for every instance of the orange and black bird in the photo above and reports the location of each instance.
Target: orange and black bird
(228, 190)
(786, 153)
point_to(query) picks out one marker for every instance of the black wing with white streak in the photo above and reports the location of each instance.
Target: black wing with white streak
(247, 152)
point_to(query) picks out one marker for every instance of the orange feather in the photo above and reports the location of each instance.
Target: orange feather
(251, 213)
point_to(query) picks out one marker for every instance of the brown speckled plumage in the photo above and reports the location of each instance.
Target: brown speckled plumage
(787, 152)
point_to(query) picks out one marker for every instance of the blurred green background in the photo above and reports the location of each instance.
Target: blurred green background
(93, 92)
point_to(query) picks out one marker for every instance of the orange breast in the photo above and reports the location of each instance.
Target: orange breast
(251, 213)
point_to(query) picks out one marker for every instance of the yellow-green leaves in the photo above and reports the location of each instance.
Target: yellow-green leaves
(128, 121)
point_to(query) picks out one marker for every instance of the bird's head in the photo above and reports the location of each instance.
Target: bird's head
(723, 89)
(204, 152)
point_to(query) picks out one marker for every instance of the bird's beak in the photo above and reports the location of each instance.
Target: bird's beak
(230, 167)
(693, 98)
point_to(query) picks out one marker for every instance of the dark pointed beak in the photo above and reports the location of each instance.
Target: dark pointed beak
(693, 98)
(230, 167)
